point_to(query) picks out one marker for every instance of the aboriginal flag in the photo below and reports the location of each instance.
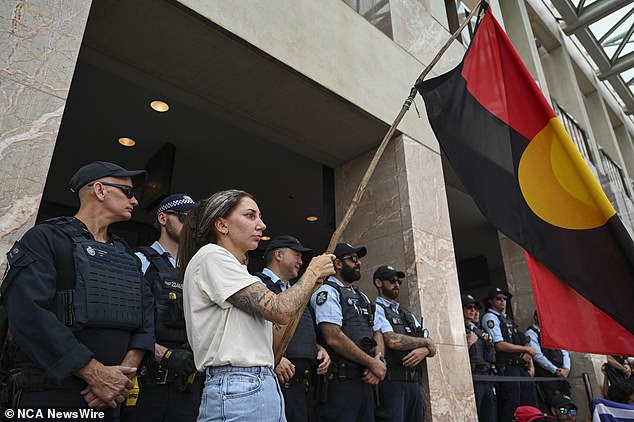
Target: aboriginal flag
(523, 171)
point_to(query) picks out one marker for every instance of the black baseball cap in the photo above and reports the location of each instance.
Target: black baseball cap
(386, 272)
(495, 291)
(99, 169)
(345, 249)
(470, 300)
(286, 241)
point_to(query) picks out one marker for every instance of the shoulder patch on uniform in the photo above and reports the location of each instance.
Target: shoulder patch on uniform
(15, 254)
(490, 323)
(321, 298)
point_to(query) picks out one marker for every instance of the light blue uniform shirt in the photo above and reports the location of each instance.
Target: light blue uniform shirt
(330, 310)
(145, 263)
(275, 279)
(380, 320)
(491, 324)
(539, 357)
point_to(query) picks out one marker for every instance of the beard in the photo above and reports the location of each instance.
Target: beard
(350, 275)
(172, 232)
(390, 294)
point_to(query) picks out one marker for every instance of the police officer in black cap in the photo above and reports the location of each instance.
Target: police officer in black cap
(482, 359)
(513, 356)
(169, 391)
(406, 346)
(80, 314)
(304, 358)
(345, 318)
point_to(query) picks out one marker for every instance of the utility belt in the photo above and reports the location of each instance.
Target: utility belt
(482, 369)
(346, 370)
(502, 364)
(157, 375)
(406, 375)
(303, 373)
(512, 362)
(30, 379)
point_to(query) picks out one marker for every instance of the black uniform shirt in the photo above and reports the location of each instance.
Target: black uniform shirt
(29, 291)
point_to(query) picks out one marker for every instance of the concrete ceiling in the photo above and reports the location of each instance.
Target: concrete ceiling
(163, 47)
(238, 117)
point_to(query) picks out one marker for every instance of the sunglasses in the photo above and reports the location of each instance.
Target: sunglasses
(394, 281)
(471, 307)
(181, 215)
(127, 190)
(500, 298)
(352, 258)
(565, 411)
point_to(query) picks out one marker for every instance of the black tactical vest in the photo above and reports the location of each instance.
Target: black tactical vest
(108, 284)
(555, 356)
(303, 345)
(510, 334)
(481, 354)
(167, 288)
(402, 322)
(358, 317)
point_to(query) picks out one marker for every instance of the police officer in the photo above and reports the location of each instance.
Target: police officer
(406, 346)
(80, 314)
(304, 358)
(482, 358)
(167, 390)
(513, 358)
(345, 319)
(549, 363)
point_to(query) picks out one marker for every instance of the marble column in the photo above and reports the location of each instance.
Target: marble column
(39, 44)
(403, 220)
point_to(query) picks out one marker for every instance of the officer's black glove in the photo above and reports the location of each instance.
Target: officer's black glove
(180, 361)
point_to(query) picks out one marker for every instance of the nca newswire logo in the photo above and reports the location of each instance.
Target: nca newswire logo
(54, 414)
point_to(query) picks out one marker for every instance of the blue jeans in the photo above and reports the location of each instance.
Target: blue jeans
(249, 394)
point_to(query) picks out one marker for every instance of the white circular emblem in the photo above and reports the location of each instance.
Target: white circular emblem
(90, 251)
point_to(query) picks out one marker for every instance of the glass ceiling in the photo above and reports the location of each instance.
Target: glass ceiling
(605, 29)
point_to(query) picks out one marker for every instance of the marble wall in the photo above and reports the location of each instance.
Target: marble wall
(39, 44)
(403, 220)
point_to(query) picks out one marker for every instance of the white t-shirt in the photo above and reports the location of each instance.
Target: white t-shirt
(218, 332)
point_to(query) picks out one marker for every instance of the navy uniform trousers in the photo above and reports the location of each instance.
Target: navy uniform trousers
(348, 401)
(401, 401)
(163, 403)
(514, 394)
(485, 401)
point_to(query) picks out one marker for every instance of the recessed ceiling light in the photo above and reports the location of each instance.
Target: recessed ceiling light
(312, 218)
(127, 142)
(266, 238)
(159, 106)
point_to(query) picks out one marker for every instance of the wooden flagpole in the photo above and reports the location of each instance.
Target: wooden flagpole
(282, 334)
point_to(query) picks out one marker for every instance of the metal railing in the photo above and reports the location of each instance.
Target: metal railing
(615, 173)
(575, 131)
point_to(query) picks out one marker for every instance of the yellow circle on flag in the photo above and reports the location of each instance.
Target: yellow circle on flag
(558, 185)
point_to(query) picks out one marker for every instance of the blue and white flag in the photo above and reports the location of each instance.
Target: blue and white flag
(609, 411)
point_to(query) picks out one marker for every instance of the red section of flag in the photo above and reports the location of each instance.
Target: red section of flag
(569, 321)
(512, 96)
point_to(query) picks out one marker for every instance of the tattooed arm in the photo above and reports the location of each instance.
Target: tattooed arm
(259, 301)
(340, 343)
(397, 341)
